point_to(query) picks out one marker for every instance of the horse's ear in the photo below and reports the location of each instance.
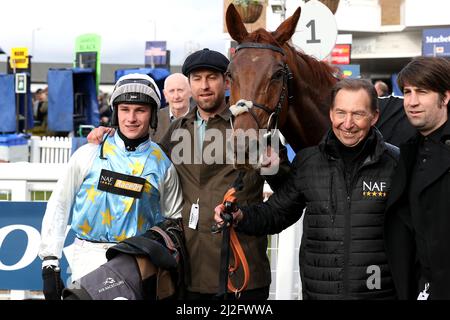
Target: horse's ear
(285, 31)
(235, 26)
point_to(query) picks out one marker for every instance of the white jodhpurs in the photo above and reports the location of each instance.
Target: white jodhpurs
(87, 256)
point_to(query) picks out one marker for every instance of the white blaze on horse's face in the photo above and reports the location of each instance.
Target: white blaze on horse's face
(351, 116)
(257, 83)
(255, 59)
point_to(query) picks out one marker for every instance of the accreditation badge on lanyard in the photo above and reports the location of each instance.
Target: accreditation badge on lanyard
(423, 295)
(121, 184)
(193, 218)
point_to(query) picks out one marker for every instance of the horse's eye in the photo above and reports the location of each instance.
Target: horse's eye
(278, 75)
(228, 75)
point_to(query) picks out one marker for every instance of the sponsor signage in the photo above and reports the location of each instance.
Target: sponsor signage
(20, 226)
(436, 42)
(155, 53)
(87, 53)
(122, 184)
(341, 54)
(19, 58)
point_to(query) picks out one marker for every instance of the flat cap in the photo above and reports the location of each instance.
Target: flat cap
(205, 59)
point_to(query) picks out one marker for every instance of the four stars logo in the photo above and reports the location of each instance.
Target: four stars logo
(374, 189)
(374, 194)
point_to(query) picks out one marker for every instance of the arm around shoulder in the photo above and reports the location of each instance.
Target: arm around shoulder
(171, 194)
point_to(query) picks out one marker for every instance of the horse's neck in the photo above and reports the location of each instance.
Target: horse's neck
(304, 128)
(307, 119)
(292, 128)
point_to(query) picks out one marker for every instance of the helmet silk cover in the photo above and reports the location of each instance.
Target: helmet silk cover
(136, 88)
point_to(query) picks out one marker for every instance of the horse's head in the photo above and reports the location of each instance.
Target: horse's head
(259, 75)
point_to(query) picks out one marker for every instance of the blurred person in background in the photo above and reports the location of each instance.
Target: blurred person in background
(178, 94)
(381, 88)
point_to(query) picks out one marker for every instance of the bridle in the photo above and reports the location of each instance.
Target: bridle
(247, 106)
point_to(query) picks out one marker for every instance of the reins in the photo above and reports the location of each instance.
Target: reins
(230, 240)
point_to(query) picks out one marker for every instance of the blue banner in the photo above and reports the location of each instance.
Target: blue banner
(84, 83)
(60, 100)
(395, 88)
(7, 103)
(436, 42)
(20, 266)
(72, 99)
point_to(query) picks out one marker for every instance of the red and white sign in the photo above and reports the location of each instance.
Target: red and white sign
(341, 54)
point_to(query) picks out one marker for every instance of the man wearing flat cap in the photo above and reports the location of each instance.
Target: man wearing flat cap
(204, 183)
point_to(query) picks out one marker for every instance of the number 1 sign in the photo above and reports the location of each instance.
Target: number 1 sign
(316, 31)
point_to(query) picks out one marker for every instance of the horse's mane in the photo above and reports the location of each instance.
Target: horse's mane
(320, 74)
(261, 36)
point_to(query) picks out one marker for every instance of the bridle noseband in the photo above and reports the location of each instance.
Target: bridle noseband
(246, 106)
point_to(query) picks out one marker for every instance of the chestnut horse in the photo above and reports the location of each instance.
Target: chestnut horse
(275, 86)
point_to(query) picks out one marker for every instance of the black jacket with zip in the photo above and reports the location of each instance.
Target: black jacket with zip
(342, 253)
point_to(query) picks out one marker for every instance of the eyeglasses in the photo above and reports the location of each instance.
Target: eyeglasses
(341, 115)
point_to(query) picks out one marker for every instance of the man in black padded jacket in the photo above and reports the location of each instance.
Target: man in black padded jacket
(342, 184)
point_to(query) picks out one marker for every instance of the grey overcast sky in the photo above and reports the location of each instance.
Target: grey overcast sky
(124, 26)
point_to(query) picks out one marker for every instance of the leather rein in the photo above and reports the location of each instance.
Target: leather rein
(231, 240)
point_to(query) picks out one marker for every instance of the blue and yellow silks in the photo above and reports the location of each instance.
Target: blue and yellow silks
(108, 217)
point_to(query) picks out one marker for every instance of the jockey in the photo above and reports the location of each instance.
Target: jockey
(112, 191)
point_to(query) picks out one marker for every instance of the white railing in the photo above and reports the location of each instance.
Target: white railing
(283, 251)
(50, 149)
(286, 277)
(20, 179)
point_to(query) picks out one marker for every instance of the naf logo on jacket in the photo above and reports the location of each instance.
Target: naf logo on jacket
(374, 189)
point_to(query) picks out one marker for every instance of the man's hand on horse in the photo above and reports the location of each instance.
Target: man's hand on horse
(220, 209)
(96, 135)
